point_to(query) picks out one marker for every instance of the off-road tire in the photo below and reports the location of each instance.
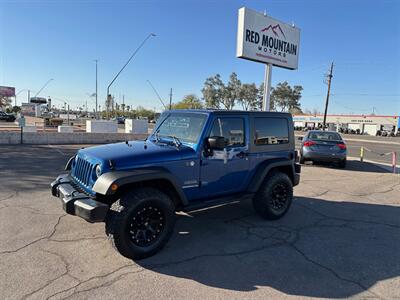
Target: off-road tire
(265, 201)
(122, 213)
(342, 164)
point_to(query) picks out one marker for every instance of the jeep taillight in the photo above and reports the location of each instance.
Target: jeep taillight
(309, 143)
(341, 146)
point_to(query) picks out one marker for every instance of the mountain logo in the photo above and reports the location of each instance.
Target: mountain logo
(275, 29)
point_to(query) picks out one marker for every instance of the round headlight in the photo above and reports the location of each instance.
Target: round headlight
(98, 171)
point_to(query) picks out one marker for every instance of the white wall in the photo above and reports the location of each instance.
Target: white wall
(137, 126)
(101, 126)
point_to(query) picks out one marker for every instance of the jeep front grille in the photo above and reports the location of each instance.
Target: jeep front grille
(82, 171)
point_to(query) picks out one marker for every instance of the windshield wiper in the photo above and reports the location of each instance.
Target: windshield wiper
(175, 139)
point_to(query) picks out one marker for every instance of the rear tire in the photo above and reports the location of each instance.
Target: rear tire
(274, 197)
(342, 164)
(141, 222)
(302, 160)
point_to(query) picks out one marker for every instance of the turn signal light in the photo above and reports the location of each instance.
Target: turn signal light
(309, 143)
(114, 187)
(341, 146)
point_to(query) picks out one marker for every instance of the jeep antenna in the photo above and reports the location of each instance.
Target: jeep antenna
(155, 91)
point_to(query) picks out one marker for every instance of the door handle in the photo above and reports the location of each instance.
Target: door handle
(241, 154)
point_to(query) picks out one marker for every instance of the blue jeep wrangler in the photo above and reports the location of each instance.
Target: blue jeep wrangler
(193, 159)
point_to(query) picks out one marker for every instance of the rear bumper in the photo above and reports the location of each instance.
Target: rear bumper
(319, 156)
(77, 203)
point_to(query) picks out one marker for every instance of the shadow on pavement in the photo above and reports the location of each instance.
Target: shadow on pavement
(319, 249)
(353, 165)
(29, 167)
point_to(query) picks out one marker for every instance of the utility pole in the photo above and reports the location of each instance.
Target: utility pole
(327, 96)
(170, 99)
(96, 89)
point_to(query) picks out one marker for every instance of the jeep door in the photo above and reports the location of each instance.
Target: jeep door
(226, 171)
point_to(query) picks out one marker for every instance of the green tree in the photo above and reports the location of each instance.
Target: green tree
(189, 102)
(5, 101)
(231, 92)
(218, 95)
(248, 96)
(285, 97)
(212, 91)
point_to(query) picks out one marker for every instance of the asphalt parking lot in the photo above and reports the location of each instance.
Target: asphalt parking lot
(340, 239)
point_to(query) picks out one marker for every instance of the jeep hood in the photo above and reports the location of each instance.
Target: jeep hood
(135, 153)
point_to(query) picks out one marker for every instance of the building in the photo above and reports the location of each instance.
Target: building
(363, 124)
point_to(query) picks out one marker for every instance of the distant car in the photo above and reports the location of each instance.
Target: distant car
(6, 117)
(323, 146)
(121, 120)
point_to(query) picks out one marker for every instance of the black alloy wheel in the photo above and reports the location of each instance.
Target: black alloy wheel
(279, 197)
(147, 224)
(274, 196)
(141, 222)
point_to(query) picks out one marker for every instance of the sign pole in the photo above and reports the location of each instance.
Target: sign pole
(267, 88)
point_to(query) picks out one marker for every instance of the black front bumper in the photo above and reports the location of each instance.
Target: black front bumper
(76, 203)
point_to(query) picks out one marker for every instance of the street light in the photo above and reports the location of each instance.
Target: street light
(47, 82)
(18, 94)
(130, 58)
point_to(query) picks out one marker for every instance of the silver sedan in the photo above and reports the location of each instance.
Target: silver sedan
(323, 146)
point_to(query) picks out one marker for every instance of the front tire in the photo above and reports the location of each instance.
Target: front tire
(274, 197)
(141, 222)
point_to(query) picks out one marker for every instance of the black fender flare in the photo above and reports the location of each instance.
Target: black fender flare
(69, 163)
(264, 168)
(120, 178)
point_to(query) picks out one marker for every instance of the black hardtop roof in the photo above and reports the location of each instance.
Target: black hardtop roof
(233, 112)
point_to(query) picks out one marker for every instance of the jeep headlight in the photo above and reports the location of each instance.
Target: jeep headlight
(98, 171)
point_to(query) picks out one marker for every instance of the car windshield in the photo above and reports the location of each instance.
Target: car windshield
(324, 136)
(186, 128)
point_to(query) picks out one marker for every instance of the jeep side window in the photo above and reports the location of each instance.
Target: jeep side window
(232, 129)
(270, 131)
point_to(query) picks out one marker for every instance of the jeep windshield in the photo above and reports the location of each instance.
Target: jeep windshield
(179, 128)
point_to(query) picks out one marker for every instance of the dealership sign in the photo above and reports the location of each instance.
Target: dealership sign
(263, 39)
(7, 91)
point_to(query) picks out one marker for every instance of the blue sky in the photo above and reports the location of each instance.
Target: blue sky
(196, 39)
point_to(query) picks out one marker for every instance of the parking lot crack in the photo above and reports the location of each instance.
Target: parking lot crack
(244, 252)
(99, 277)
(78, 239)
(9, 196)
(333, 272)
(66, 271)
(37, 240)
(349, 220)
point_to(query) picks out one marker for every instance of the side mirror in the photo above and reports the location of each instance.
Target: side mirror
(216, 142)
(213, 143)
